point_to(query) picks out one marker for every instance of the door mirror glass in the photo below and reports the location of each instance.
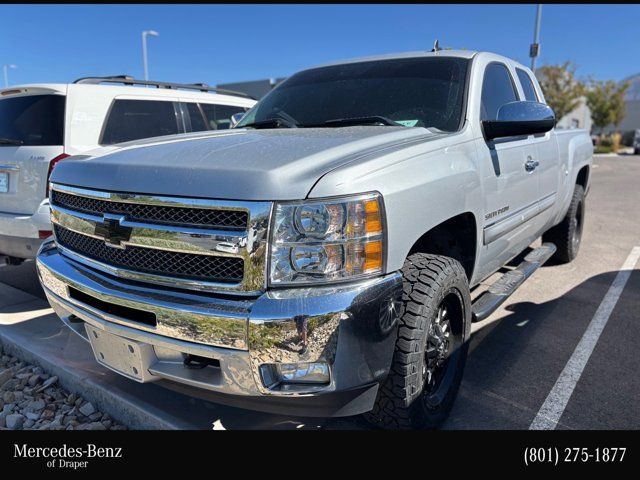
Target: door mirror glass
(235, 118)
(519, 118)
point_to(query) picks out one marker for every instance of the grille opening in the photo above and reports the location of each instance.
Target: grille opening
(132, 314)
(197, 362)
(157, 262)
(157, 214)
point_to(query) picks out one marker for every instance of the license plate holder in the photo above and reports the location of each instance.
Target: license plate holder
(4, 182)
(126, 357)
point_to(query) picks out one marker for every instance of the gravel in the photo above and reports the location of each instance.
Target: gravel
(87, 409)
(30, 399)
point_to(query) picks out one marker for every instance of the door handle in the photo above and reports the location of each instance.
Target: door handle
(531, 164)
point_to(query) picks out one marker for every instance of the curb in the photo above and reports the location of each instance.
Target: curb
(118, 407)
(44, 341)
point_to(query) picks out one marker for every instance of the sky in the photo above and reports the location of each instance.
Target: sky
(227, 43)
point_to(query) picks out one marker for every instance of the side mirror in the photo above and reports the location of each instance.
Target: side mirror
(235, 118)
(519, 118)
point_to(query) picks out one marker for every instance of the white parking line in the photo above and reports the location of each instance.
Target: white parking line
(553, 407)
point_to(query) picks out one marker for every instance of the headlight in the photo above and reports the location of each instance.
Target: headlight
(327, 240)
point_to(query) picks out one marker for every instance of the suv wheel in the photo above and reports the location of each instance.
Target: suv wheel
(567, 235)
(431, 348)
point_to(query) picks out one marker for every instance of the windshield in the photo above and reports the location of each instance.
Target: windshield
(412, 92)
(32, 120)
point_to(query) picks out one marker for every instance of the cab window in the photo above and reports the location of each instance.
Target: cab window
(527, 85)
(497, 90)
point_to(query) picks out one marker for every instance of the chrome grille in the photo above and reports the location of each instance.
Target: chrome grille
(210, 245)
(157, 262)
(157, 214)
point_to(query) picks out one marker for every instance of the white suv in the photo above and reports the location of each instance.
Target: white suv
(45, 123)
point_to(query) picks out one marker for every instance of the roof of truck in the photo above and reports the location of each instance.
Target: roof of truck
(468, 54)
(392, 56)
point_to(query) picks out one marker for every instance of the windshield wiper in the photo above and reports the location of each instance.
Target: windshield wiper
(10, 141)
(271, 123)
(345, 122)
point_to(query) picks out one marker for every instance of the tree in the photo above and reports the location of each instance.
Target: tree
(618, 105)
(562, 89)
(606, 102)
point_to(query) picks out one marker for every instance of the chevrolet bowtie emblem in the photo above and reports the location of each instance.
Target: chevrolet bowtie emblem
(112, 232)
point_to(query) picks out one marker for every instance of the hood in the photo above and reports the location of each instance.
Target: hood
(244, 164)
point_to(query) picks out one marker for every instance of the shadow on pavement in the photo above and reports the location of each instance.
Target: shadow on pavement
(23, 277)
(514, 362)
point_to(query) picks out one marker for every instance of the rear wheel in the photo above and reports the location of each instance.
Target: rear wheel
(431, 347)
(567, 235)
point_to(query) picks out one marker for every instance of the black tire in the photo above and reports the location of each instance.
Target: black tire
(410, 397)
(14, 261)
(636, 151)
(567, 235)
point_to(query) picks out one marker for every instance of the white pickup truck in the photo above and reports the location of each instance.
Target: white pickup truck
(321, 257)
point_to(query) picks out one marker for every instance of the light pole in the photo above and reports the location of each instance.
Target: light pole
(534, 50)
(145, 33)
(5, 70)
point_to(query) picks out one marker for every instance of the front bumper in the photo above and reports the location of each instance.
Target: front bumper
(351, 328)
(20, 234)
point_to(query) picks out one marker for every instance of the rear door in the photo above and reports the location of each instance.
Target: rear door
(31, 136)
(547, 154)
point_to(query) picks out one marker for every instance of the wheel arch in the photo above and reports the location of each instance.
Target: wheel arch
(456, 237)
(583, 177)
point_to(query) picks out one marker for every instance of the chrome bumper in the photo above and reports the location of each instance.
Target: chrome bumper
(351, 328)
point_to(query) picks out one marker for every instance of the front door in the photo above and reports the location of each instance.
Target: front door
(510, 179)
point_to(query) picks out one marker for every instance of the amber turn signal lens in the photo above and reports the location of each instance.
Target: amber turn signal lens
(373, 222)
(373, 256)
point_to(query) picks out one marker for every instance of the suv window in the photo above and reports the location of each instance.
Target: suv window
(195, 116)
(527, 85)
(136, 119)
(219, 116)
(497, 90)
(32, 120)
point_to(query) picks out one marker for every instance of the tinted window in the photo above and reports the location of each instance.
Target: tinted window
(219, 116)
(197, 120)
(527, 86)
(135, 119)
(32, 120)
(416, 92)
(497, 90)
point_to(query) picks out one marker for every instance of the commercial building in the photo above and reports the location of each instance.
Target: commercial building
(255, 88)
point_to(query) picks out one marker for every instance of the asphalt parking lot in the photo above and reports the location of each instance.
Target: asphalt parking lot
(518, 355)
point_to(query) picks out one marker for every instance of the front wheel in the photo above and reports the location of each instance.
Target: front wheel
(431, 347)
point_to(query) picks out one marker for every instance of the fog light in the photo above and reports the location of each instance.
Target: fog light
(274, 374)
